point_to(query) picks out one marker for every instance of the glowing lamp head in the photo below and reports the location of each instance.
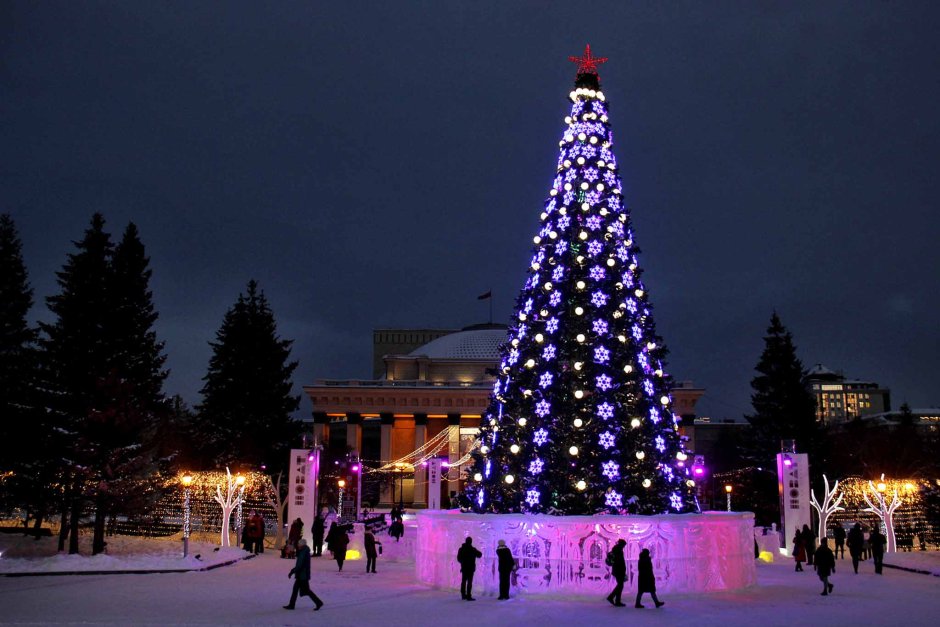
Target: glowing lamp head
(522, 422)
(647, 483)
(578, 422)
(478, 477)
(640, 455)
(579, 394)
(573, 450)
(881, 486)
(341, 483)
(187, 480)
(514, 448)
(787, 461)
(240, 480)
(635, 423)
(581, 485)
(699, 470)
(509, 479)
(355, 468)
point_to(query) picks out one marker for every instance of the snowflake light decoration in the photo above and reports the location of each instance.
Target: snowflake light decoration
(654, 415)
(552, 325)
(637, 333)
(597, 273)
(599, 299)
(558, 273)
(601, 355)
(648, 387)
(542, 408)
(613, 499)
(606, 440)
(610, 469)
(561, 247)
(613, 203)
(603, 382)
(545, 380)
(594, 248)
(536, 466)
(513, 357)
(676, 501)
(593, 222)
(600, 327)
(548, 352)
(555, 298)
(563, 223)
(532, 497)
(631, 305)
(660, 443)
(540, 437)
(590, 175)
(480, 497)
(605, 410)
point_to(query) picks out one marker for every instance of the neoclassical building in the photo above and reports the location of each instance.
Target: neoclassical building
(424, 380)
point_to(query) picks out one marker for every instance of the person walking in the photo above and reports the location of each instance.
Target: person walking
(301, 574)
(316, 531)
(505, 565)
(338, 545)
(876, 543)
(825, 565)
(646, 582)
(467, 556)
(809, 543)
(799, 551)
(618, 570)
(838, 532)
(855, 540)
(371, 553)
(330, 538)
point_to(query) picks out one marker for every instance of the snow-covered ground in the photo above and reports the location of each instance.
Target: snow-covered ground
(252, 592)
(20, 554)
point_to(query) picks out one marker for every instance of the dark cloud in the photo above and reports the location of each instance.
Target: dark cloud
(385, 163)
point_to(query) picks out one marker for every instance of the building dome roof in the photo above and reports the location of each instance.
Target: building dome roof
(479, 342)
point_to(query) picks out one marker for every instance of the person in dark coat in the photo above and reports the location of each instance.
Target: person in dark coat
(505, 564)
(256, 532)
(293, 536)
(319, 525)
(301, 574)
(838, 532)
(809, 543)
(619, 572)
(646, 582)
(855, 540)
(371, 552)
(338, 546)
(825, 565)
(876, 543)
(330, 537)
(397, 530)
(467, 556)
(799, 551)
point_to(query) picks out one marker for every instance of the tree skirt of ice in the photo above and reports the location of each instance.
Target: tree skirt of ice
(565, 554)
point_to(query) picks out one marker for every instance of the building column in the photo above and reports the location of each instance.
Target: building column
(421, 472)
(453, 452)
(321, 428)
(385, 455)
(354, 431)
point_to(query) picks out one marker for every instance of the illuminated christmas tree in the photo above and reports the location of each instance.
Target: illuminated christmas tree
(580, 420)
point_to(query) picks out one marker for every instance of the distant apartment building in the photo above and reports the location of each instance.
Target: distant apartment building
(840, 400)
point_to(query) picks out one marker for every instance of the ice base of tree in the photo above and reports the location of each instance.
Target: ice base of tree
(564, 555)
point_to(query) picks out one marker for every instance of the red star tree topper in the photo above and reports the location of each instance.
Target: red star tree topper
(588, 63)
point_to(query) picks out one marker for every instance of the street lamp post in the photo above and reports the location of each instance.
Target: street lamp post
(240, 482)
(187, 480)
(401, 486)
(728, 494)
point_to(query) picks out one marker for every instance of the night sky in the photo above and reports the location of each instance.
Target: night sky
(385, 164)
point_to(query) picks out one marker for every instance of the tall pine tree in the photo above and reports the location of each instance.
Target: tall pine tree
(581, 417)
(20, 441)
(245, 415)
(103, 375)
(784, 409)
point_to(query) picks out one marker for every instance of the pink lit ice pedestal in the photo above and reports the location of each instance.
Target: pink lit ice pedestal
(565, 554)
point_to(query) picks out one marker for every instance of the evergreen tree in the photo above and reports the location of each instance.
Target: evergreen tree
(103, 375)
(581, 419)
(783, 407)
(245, 415)
(19, 441)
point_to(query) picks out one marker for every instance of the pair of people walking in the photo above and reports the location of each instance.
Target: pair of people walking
(646, 581)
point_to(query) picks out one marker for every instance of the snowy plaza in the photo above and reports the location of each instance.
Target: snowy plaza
(251, 592)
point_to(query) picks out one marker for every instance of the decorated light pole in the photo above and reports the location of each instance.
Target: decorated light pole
(240, 482)
(728, 489)
(883, 509)
(187, 481)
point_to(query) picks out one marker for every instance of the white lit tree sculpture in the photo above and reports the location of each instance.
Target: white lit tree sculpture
(228, 503)
(883, 509)
(830, 504)
(274, 498)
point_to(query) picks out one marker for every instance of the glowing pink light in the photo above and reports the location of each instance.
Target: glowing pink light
(699, 471)
(355, 468)
(445, 465)
(309, 458)
(787, 461)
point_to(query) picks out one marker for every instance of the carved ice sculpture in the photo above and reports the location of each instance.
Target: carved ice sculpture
(565, 554)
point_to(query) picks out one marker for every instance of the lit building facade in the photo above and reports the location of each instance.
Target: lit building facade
(424, 381)
(840, 400)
